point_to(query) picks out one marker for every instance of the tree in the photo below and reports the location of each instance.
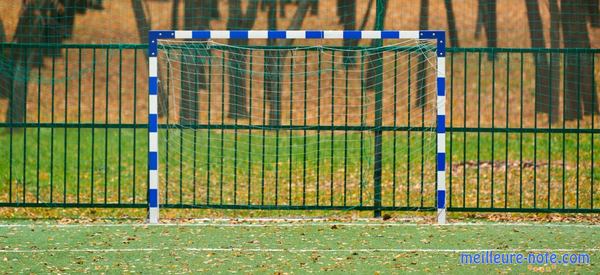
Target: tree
(594, 13)
(452, 32)
(239, 20)
(422, 67)
(346, 10)
(374, 60)
(579, 68)
(40, 21)
(546, 96)
(5, 67)
(273, 73)
(487, 10)
(197, 16)
(142, 21)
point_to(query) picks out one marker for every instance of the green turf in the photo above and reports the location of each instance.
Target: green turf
(299, 248)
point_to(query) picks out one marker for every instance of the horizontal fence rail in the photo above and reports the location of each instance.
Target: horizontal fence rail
(522, 132)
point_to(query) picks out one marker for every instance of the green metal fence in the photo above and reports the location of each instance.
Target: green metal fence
(522, 135)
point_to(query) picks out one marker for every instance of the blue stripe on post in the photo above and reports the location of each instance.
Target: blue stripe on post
(441, 199)
(352, 34)
(441, 161)
(153, 85)
(314, 34)
(441, 124)
(152, 160)
(390, 34)
(153, 123)
(441, 86)
(276, 34)
(153, 197)
(238, 34)
(441, 44)
(201, 34)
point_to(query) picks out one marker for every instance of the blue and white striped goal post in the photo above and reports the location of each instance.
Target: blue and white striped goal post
(155, 35)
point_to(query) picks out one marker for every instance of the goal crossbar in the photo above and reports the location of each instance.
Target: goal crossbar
(435, 35)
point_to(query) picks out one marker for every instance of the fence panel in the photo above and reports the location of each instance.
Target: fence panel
(523, 133)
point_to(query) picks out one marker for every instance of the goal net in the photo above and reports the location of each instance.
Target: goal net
(260, 124)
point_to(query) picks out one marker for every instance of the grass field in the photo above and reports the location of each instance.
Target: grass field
(286, 247)
(75, 174)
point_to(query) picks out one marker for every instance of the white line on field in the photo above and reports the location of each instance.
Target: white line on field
(302, 250)
(296, 224)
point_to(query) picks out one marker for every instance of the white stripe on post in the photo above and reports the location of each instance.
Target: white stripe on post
(441, 68)
(441, 180)
(441, 105)
(441, 143)
(371, 34)
(153, 142)
(153, 104)
(153, 179)
(183, 34)
(333, 34)
(153, 215)
(441, 216)
(409, 34)
(153, 66)
(258, 34)
(219, 34)
(295, 34)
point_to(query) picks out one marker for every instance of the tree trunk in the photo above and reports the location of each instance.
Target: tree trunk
(5, 66)
(213, 6)
(422, 67)
(273, 73)
(374, 59)
(554, 65)
(543, 90)
(594, 12)
(579, 73)
(451, 24)
(193, 76)
(143, 26)
(489, 19)
(347, 14)
(479, 21)
(30, 29)
(237, 74)
(175, 15)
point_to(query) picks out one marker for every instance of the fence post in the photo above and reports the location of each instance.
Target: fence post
(380, 14)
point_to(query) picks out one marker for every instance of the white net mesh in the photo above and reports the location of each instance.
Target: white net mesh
(294, 126)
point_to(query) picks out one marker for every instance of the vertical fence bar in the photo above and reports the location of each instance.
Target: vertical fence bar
(106, 127)
(304, 134)
(290, 142)
(506, 129)
(250, 131)
(378, 132)
(37, 167)
(52, 133)
(120, 90)
(94, 125)
(24, 94)
(133, 183)
(65, 150)
(79, 124)
(332, 125)
(394, 144)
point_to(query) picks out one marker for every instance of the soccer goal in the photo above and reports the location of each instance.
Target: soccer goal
(297, 120)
